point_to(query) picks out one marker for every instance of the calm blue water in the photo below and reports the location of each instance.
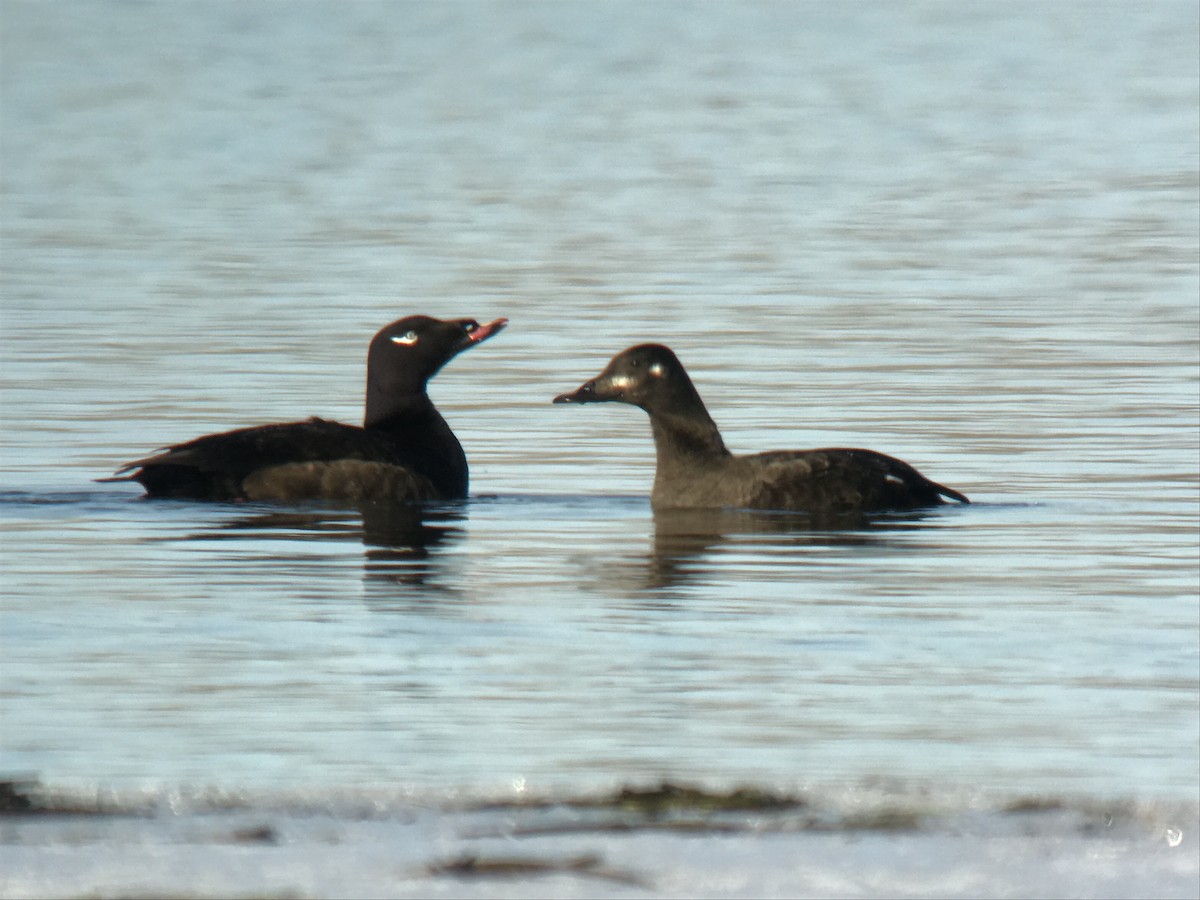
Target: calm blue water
(963, 234)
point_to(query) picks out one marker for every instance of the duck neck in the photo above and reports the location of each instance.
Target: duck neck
(422, 441)
(685, 434)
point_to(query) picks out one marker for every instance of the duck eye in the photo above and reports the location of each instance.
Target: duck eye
(407, 339)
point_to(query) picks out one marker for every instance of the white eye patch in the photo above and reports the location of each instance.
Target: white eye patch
(407, 339)
(657, 370)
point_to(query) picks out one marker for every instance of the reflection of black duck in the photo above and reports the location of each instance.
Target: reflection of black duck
(376, 525)
(400, 540)
(404, 452)
(695, 470)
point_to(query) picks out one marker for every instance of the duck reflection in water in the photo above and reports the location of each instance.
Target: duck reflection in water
(686, 540)
(401, 541)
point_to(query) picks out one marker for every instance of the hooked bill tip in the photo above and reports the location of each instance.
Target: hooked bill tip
(483, 332)
(583, 394)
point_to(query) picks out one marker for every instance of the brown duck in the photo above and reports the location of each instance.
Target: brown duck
(695, 470)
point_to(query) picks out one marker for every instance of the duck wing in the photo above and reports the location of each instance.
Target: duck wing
(839, 479)
(264, 462)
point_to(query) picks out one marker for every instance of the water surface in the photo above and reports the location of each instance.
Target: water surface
(964, 235)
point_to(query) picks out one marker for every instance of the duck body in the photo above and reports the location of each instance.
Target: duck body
(404, 452)
(695, 470)
(829, 480)
(312, 460)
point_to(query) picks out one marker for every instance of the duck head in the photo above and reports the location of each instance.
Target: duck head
(404, 355)
(648, 375)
